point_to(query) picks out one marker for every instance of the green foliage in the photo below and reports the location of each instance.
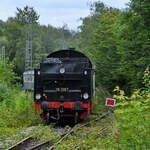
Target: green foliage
(118, 43)
(146, 79)
(88, 137)
(17, 112)
(15, 49)
(89, 25)
(15, 109)
(45, 39)
(99, 101)
(104, 51)
(45, 133)
(7, 76)
(133, 118)
(142, 8)
(27, 15)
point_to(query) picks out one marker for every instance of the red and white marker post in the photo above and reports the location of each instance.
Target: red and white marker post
(110, 102)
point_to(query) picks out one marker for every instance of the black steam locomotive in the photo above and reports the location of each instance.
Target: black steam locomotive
(64, 86)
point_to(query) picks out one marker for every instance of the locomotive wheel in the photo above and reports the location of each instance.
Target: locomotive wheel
(48, 118)
(62, 121)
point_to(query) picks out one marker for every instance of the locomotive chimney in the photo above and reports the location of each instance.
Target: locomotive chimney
(72, 48)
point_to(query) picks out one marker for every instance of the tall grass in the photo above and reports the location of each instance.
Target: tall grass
(16, 111)
(132, 113)
(99, 100)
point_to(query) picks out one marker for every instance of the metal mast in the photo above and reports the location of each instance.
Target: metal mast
(63, 42)
(28, 59)
(3, 54)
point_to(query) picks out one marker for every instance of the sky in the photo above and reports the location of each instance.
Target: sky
(56, 12)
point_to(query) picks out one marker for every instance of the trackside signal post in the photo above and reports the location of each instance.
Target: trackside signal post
(110, 102)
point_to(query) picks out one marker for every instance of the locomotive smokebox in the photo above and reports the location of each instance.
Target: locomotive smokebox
(72, 48)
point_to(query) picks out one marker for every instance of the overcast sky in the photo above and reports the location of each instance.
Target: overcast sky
(56, 12)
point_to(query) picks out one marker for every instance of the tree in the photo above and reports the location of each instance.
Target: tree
(45, 39)
(118, 43)
(142, 8)
(16, 38)
(16, 34)
(104, 50)
(134, 47)
(90, 24)
(27, 16)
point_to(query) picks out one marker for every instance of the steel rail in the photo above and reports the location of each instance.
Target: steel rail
(39, 145)
(63, 136)
(24, 141)
(77, 128)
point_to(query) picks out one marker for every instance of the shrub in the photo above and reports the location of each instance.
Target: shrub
(133, 117)
(99, 101)
(16, 110)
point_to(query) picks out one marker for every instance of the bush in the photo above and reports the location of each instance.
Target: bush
(133, 115)
(16, 110)
(99, 101)
(7, 76)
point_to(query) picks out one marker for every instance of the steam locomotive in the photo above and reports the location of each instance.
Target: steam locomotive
(64, 86)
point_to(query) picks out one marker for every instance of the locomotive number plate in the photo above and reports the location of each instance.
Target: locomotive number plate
(62, 89)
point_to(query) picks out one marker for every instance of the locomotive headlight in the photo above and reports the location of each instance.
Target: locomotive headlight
(85, 72)
(38, 96)
(62, 70)
(85, 95)
(38, 72)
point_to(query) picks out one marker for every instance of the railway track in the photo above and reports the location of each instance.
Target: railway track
(21, 144)
(77, 128)
(30, 144)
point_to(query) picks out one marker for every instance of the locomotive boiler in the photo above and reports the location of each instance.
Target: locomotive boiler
(64, 86)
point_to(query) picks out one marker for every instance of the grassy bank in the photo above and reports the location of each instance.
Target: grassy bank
(16, 111)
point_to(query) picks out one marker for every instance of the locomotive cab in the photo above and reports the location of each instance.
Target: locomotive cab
(64, 86)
